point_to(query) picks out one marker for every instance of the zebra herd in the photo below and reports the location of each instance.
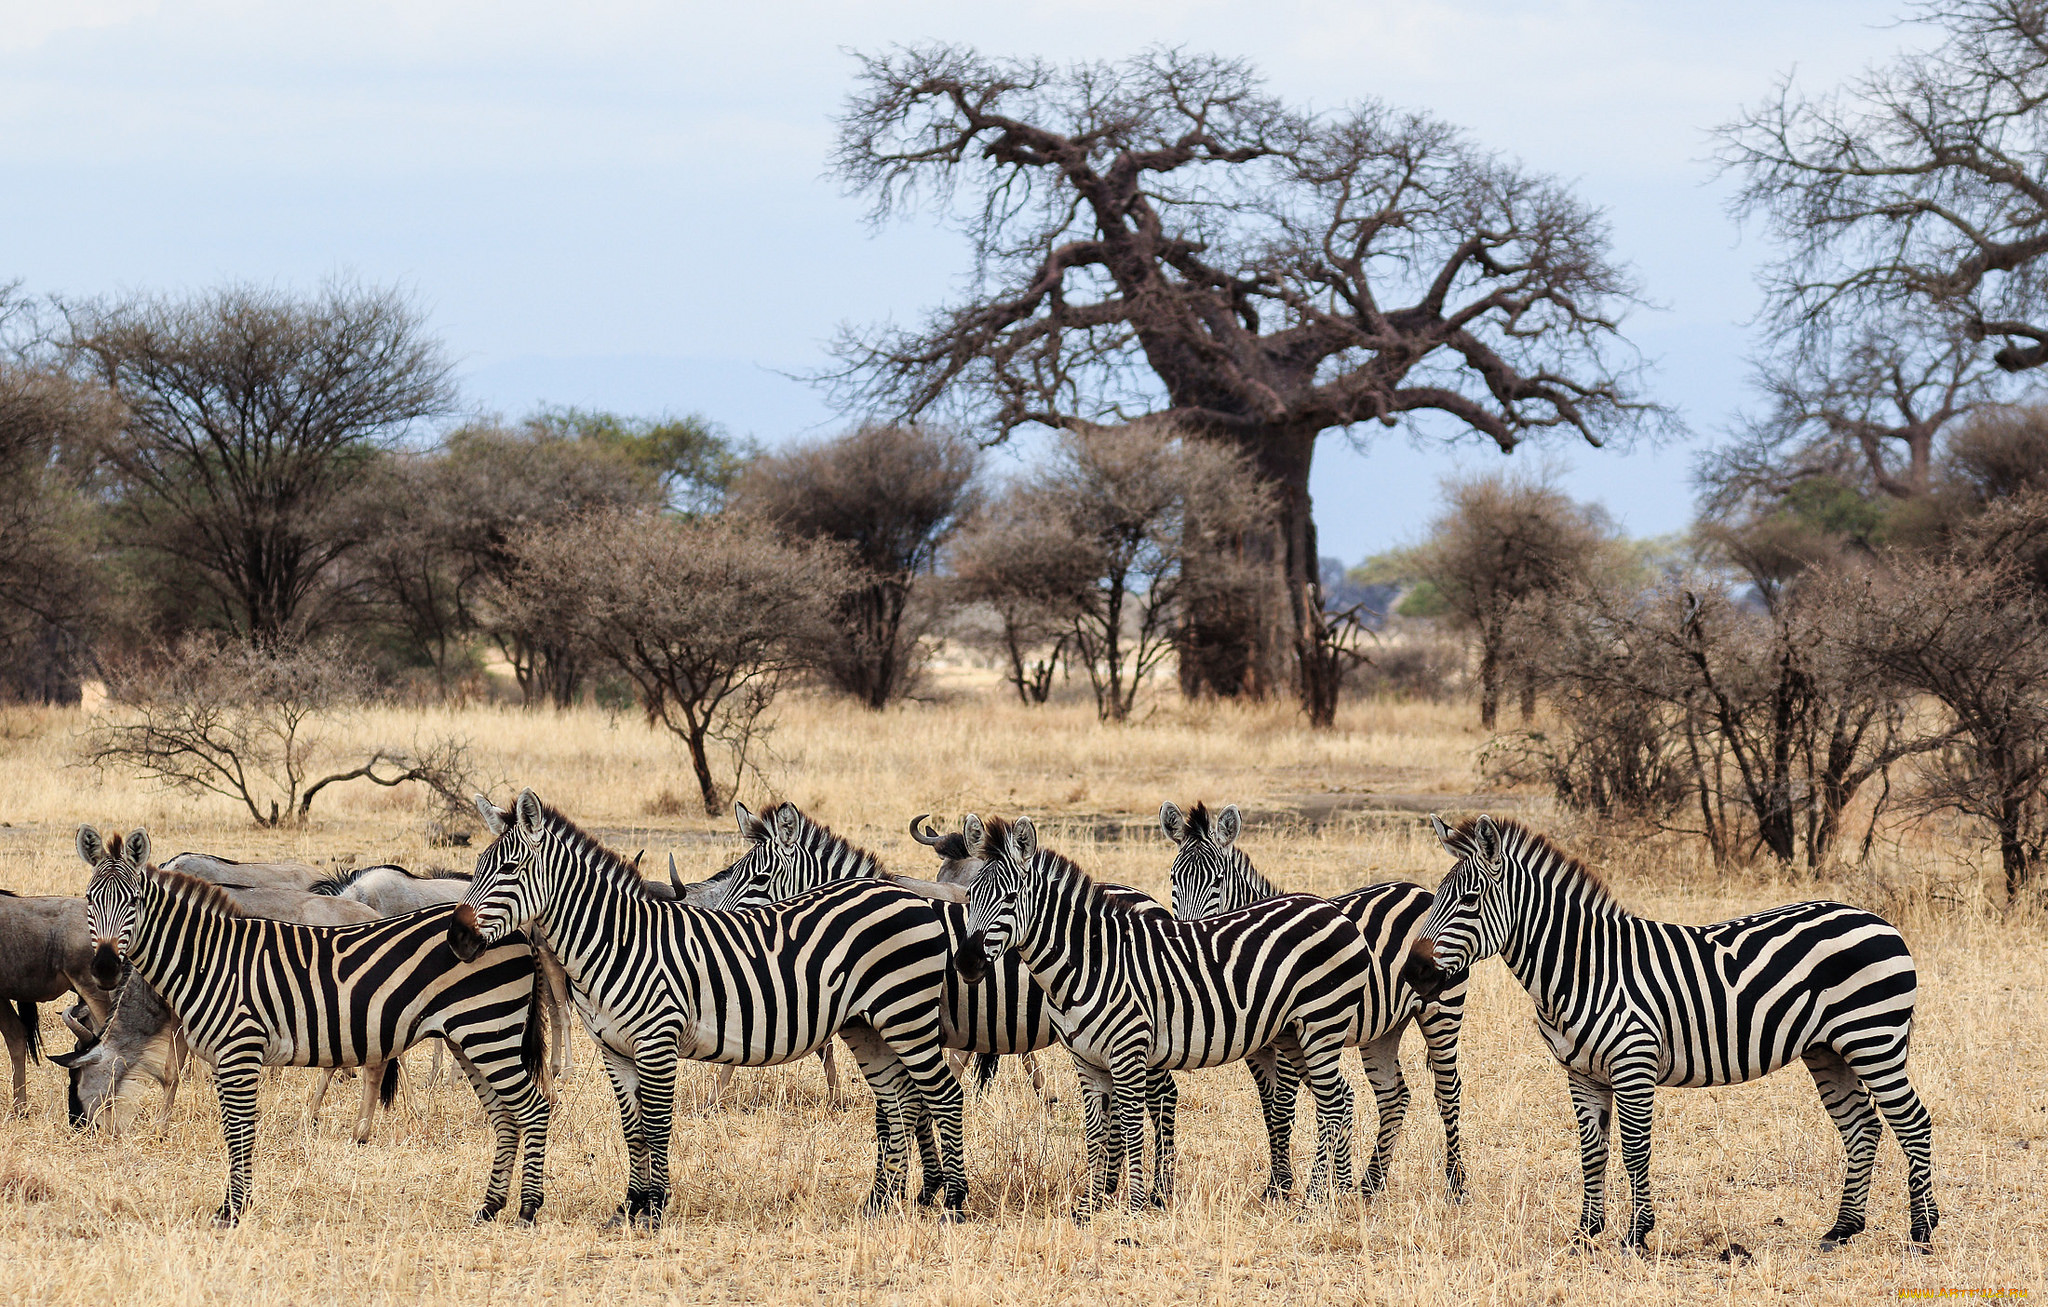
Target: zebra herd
(807, 938)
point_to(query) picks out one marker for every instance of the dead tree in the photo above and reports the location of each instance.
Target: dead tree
(1162, 235)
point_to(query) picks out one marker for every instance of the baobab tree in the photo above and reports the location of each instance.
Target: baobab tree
(1163, 236)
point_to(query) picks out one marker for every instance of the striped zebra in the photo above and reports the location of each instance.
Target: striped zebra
(253, 992)
(1628, 1004)
(655, 979)
(1138, 995)
(1211, 875)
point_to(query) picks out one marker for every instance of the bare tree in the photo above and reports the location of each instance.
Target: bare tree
(248, 413)
(252, 723)
(1502, 543)
(1161, 235)
(706, 616)
(892, 494)
(1018, 556)
(1969, 630)
(1920, 189)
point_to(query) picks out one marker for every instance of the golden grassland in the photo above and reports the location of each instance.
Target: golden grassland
(767, 1190)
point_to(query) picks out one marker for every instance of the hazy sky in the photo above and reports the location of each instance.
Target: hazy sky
(623, 205)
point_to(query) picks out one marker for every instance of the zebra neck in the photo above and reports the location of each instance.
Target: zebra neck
(164, 949)
(1556, 916)
(588, 915)
(1253, 887)
(832, 858)
(1060, 929)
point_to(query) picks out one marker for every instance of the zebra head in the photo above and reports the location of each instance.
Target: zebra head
(1208, 871)
(1469, 920)
(1006, 852)
(512, 882)
(111, 897)
(773, 868)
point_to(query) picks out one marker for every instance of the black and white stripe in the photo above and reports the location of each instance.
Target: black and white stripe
(253, 992)
(1138, 995)
(1211, 875)
(1628, 1004)
(656, 979)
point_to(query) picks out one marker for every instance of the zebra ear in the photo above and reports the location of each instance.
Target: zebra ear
(752, 828)
(531, 815)
(92, 850)
(1025, 836)
(786, 826)
(1229, 824)
(1486, 847)
(975, 834)
(493, 815)
(138, 848)
(1173, 823)
(1445, 836)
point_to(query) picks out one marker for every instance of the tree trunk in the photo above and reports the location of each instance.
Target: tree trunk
(1489, 683)
(700, 763)
(1254, 646)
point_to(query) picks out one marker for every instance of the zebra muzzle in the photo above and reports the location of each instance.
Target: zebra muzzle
(973, 960)
(465, 937)
(1421, 972)
(106, 965)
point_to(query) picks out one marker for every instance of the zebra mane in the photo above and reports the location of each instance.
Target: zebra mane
(832, 840)
(194, 892)
(1539, 852)
(1198, 820)
(1094, 895)
(583, 842)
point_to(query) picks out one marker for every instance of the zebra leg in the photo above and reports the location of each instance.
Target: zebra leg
(936, 1100)
(1130, 1083)
(366, 1110)
(1634, 1107)
(1848, 1103)
(235, 1079)
(1593, 1104)
(1382, 1061)
(1277, 1080)
(1336, 1116)
(895, 1117)
(656, 1064)
(1440, 1023)
(1163, 1101)
(1105, 1151)
(625, 1078)
(1884, 1075)
(504, 1135)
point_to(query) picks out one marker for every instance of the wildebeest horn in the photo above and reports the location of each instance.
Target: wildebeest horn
(675, 878)
(636, 861)
(929, 836)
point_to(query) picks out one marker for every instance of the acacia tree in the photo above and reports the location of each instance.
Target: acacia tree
(1017, 555)
(1501, 545)
(1163, 235)
(248, 414)
(1918, 193)
(892, 494)
(705, 616)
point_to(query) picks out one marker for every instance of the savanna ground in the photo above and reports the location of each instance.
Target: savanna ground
(767, 1190)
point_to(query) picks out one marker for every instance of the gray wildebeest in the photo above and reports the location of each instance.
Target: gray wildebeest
(45, 952)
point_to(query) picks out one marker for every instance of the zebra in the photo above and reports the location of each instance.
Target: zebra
(790, 853)
(1137, 994)
(756, 987)
(252, 991)
(1627, 1004)
(1211, 875)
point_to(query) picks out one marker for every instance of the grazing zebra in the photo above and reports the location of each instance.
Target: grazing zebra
(1211, 875)
(1627, 1004)
(1137, 994)
(756, 987)
(252, 991)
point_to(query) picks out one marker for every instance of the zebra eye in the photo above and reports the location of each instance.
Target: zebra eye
(1471, 896)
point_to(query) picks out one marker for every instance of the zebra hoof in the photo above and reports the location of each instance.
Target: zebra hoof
(484, 1216)
(1083, 1216)
(226, 1218)
(952, 1216)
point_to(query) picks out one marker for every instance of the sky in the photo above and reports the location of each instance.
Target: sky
(625, 205)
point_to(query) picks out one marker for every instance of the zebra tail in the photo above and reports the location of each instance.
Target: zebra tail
(985, 1067)
(387, 1091)
(33, 1024)
(533, 1047)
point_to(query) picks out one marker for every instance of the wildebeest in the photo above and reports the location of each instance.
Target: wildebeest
(228, 873)
(143, 1037)
(45, 951)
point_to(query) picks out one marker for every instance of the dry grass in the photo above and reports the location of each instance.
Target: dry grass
(766, 1193)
